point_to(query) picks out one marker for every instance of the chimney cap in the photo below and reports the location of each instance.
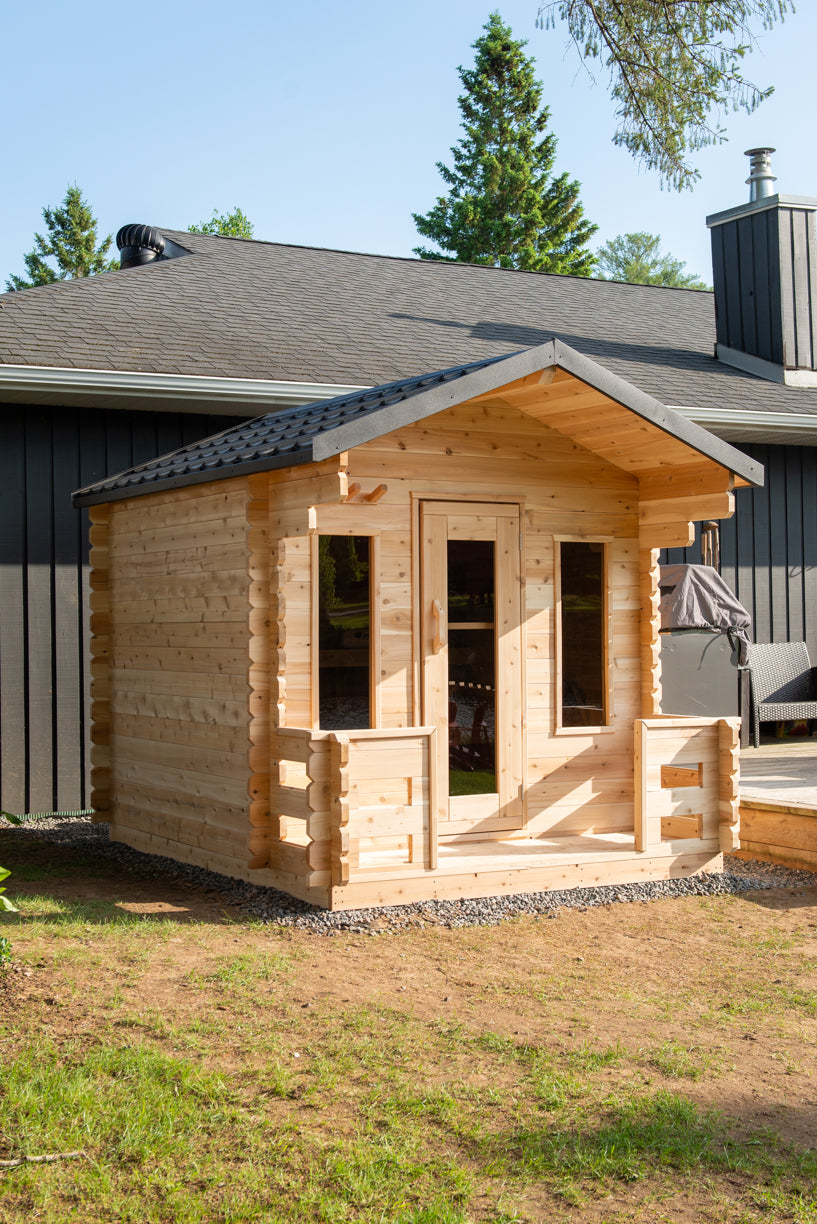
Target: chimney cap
(760, 178)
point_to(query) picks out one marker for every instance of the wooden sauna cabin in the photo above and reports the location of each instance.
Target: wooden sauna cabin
(403, 644)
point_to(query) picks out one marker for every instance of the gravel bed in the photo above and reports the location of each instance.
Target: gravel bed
(269, 905)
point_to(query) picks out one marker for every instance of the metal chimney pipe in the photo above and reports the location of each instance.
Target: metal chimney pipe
(760, 178)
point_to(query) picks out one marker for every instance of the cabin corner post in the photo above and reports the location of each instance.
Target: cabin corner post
(100, 713)
(642, 828)
(729, 784)
(650, 628)
(258, 759)
(339, 841)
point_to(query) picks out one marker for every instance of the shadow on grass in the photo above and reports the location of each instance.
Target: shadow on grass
(65, 884)
(641, 1138)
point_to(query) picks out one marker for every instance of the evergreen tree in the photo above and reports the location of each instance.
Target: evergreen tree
(71, 242)
(229, 225)
(637, 258)
(504, 206)
(674, 66)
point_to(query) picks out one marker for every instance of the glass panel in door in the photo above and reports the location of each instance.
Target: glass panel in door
(471, 668)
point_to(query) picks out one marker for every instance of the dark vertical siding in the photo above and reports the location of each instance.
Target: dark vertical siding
(746, 272)
(762, 296)
(765, 276)
(13, 748)
(46, 453)
(769, 548)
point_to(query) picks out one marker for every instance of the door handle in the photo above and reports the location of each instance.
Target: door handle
(439, 639)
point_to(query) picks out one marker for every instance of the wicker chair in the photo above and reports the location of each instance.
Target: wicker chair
(783, 685)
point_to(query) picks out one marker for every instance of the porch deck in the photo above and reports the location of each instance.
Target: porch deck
(778, 802)
(364, 815)
(523, 864)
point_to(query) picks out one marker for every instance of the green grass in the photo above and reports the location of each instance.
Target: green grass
(471, 782)
(204, 1091)
(382, 1117)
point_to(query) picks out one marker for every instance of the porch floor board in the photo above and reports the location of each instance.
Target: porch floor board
(780, 772)
(523, 854)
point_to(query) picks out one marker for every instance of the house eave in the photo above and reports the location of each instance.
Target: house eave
(747, 425)
(167, 392)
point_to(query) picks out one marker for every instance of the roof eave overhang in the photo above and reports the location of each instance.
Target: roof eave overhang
(165, 392)
(755, 425)
(206, 476)
(544, 356)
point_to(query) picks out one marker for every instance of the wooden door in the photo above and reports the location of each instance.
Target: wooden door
(472, 661)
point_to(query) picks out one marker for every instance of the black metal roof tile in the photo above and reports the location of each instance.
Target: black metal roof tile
(286, 434)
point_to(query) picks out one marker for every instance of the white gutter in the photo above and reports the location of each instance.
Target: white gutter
(743, 418)
(135, 383)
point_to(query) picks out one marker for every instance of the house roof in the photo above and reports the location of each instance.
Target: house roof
(255, 310)
(324, 429)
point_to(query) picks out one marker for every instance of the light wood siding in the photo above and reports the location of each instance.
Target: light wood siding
(45, 454)
(182, 609)
(577, 780)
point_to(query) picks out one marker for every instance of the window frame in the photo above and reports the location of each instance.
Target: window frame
(606, 637)
(375, 637)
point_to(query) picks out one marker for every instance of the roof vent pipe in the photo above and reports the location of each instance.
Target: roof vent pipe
(760, 178)
(139, 244)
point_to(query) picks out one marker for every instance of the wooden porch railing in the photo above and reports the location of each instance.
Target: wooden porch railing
(383, 782)
(339, 791)
(686, 783)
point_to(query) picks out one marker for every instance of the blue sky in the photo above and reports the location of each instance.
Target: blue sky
(324, 123)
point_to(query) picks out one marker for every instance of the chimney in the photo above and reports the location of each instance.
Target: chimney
(764, 265)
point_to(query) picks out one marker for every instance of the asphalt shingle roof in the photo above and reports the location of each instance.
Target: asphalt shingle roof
(243, 309)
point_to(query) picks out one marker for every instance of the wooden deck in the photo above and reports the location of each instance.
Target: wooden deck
(780, 771)
(521, 865)
(778, 801)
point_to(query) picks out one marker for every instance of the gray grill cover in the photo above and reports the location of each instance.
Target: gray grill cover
(696, 597)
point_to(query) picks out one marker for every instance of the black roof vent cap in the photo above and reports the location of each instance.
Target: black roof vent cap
(139, 244)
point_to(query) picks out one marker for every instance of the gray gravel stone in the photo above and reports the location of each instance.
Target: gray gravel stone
(270, 906)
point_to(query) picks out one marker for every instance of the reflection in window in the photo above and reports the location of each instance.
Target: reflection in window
(582, 580)
(344, 602)
(471, 668)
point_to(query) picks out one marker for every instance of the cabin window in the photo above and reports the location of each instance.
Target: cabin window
(582, 640)
(344, 632)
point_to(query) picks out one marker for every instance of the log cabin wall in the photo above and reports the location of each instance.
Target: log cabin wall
(173, 713)
(208, 744)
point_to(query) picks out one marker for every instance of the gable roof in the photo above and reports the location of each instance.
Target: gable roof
(247, 310)
(324, 429)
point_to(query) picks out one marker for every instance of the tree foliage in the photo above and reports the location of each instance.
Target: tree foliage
(637, 258)
(505, 207)
(229, 225)
(71, 242)
(674, 66)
